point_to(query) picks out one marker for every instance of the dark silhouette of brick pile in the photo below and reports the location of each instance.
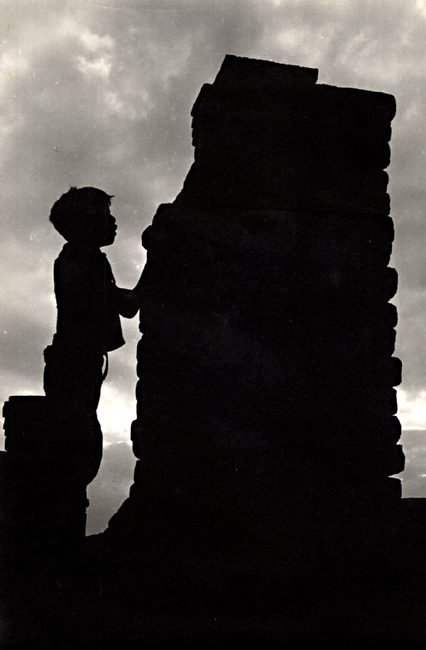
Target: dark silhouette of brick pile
(266, 430)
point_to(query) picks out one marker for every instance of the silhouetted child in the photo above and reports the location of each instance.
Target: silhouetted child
(88, 322)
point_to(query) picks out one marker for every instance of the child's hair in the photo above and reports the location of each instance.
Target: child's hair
(76, 207)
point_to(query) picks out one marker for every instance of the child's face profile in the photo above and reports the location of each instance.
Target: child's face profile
(110, 228)
(103, 227)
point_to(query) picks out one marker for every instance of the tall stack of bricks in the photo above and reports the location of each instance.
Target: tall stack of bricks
(266, 403)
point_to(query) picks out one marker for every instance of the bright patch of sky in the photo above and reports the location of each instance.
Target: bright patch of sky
(115, 415)
(412, 409)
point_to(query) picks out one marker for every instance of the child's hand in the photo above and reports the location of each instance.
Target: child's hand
(128, 302)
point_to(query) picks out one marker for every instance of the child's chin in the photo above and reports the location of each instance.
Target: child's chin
(109, 240)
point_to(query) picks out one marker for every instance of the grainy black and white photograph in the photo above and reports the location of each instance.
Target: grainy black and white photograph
(213, 322)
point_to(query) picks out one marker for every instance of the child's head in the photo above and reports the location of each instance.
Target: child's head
(83, 216)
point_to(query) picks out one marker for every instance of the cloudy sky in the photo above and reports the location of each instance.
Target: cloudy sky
(99, 93)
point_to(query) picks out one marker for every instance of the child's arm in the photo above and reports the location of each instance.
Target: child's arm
(129, 300)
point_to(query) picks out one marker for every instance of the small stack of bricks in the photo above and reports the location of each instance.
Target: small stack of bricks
(43, 506)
